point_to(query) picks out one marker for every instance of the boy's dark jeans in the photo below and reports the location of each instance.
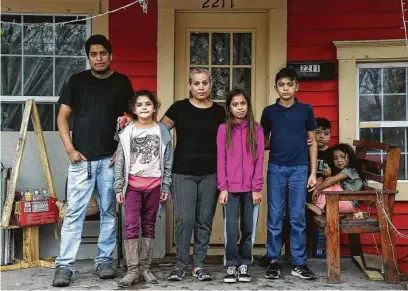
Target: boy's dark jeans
(194, 201)
(296, 179)
(239, 205)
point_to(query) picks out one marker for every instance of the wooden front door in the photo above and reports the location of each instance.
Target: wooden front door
(233, 46)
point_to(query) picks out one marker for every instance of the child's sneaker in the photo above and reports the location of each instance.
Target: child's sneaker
(302, 271)
(231, 276)
(273, 271)
(243, 275)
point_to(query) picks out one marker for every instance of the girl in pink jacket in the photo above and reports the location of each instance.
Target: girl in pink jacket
(240, 159)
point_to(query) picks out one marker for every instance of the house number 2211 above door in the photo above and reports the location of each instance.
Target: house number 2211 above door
(218, 3)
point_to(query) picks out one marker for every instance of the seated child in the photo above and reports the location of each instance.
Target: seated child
(323, 135)
(347, 175)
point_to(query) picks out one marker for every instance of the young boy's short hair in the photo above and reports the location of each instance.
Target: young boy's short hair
(323, 123)
(287, 72)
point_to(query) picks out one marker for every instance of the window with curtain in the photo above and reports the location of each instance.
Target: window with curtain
(383, 111)
(36, 61)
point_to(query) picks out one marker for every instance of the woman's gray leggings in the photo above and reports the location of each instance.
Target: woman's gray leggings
(194, 201)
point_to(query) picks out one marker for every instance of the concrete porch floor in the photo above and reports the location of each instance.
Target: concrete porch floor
(352, 278)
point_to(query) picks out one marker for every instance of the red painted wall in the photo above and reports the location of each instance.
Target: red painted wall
(312, 26)
(134, 35)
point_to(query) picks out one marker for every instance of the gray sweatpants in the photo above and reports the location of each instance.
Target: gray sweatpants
(194, 201)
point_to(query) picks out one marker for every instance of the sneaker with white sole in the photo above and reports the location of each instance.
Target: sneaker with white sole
(176, 275)
(243, 274)
(274, 271)
(302, 271)
(231, 276)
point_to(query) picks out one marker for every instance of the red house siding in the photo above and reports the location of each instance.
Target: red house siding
(133, 35)
(312, 26)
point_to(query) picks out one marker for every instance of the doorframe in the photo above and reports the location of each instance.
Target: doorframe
(277, 55)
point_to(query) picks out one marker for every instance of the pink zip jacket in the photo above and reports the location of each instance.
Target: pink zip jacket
(237, 171)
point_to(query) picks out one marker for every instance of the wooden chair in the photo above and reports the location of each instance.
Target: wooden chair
(381, 172)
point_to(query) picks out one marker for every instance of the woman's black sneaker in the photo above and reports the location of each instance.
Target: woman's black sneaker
(273, 271)
(201, 275)
(176, 275)
(243, 274)
(231, 276)
(302, 271)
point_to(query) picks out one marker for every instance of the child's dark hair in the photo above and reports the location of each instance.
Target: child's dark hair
(324, 123)
(353, 161)
(287, 72)
(148, 94)
(251, 132)
(98, 39)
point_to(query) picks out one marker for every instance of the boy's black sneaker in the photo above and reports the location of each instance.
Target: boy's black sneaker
(274, 271)
(231, 276)
(302, 271)
(243, 274)
(62, 277)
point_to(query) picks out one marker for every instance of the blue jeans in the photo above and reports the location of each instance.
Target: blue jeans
(240, 220)
(279, 177)
(80, 189)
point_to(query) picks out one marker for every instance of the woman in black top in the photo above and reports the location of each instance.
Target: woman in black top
(194, 188)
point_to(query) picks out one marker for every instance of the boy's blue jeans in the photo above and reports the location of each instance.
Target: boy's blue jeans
(279, 177)
(80, 189)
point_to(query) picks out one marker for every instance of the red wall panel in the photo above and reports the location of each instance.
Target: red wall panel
(313, 25)
(134, 35)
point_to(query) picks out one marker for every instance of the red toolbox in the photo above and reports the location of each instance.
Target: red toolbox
(36, 212)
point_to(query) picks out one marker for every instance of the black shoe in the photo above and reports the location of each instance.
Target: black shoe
(105, 271)
(201, 275)
(273, 271)
(176, 275)
(231, 276)
(243, 274)
(302, 271)
(263, 261)
(62, 277)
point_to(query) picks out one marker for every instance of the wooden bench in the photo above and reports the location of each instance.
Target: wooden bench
(385, 173)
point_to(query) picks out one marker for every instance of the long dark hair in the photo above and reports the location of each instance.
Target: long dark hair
(352, 158)
(251, 132)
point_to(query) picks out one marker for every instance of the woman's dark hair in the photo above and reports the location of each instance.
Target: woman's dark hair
(251, 132)
(98, 39)
(352, 158)
(148, 94)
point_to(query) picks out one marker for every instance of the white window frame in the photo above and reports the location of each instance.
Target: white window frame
(43, 99)
(350, 54)
(384, 124)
